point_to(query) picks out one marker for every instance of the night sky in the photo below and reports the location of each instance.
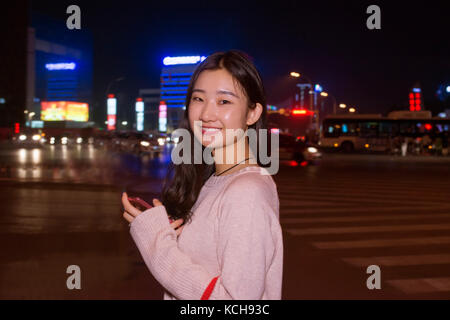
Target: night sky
(329, 42)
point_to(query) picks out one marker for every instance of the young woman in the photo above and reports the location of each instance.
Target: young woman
(230, 244)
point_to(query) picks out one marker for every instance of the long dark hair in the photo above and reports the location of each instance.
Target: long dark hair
(184, 181)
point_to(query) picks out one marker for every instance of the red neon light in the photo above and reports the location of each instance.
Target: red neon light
(417, 108)
(411, 96)
(110, 96)
(301, 112)
(111, 121)
(428, 126)
(417, 95)
(16, 127)
(139, 99)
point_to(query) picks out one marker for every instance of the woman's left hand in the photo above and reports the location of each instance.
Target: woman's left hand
(131, 213)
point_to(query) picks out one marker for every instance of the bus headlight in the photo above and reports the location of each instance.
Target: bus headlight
(312, 150)
(145, 143)
(79, 140)
(36, 137)
(22, 137)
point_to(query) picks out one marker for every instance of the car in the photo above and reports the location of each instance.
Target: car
(138, 143)
(298, 149)
(29, 138)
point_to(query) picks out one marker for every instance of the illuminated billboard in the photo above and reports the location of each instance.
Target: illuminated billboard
(64, 111)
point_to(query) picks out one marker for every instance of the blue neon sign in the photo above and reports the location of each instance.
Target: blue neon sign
(61, 66)
(170, 61)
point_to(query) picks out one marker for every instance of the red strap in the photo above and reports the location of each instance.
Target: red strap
(209, 289)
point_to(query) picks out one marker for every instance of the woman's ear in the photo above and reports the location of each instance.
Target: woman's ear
(254, 114)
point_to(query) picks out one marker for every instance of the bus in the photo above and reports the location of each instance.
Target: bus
(373, 132)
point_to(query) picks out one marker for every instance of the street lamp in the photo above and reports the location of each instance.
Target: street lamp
(326, 94)
(352, 110)
(342, 106)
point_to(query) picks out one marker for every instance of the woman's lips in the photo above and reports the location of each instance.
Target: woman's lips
(210, 131)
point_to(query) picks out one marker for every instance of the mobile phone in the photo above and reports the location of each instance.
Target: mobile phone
(139, 203)
(142, 205)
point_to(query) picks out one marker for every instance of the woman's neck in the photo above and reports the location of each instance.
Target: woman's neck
(233, 156)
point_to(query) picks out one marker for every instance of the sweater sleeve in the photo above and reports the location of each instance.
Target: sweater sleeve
(172, 268)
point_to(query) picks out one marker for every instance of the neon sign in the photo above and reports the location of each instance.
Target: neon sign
(61, 66)
(170, 61)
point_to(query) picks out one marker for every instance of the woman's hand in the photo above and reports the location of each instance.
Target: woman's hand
(131, 213)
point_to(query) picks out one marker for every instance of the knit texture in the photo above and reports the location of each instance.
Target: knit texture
(234, 233)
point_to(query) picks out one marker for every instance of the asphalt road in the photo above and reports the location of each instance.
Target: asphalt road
(61, 207)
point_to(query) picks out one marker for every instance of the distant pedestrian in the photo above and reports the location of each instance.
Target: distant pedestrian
(404, 145)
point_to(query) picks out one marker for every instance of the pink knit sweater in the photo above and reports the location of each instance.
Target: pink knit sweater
(235, 234)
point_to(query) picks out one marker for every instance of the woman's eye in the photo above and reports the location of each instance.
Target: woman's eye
(196, 99)
(224, 101)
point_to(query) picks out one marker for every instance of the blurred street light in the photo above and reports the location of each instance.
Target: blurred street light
(326, 94)
(352, 110)
(295, 74)
(342, 106)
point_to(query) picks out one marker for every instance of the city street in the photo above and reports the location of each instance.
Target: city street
(61, 207)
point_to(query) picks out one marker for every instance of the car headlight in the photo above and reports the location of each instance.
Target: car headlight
(312, 150)
(79, 140)
(64, 140)
(161, 141)
(145, 143)
(22, 137)
(36, 137)
(52, 140)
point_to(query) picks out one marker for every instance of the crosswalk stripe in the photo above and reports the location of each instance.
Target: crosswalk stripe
(381, 243)
(390, 261)
(363, 218)
(364, 229)
(423, 285)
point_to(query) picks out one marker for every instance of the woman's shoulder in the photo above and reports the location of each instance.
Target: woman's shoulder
(251, 183)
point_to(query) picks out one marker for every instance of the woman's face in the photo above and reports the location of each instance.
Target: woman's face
(218, 103)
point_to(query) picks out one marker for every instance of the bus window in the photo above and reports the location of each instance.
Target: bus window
(369, 129)
(349, 129)
(385, 129)
(332, 130)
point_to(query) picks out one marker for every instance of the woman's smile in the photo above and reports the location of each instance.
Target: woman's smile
(210, 130)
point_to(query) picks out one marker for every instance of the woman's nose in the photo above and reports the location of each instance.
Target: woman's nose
(208, 112)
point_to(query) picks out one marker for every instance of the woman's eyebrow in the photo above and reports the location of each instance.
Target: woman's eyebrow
(228, 92)
(218, 91)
